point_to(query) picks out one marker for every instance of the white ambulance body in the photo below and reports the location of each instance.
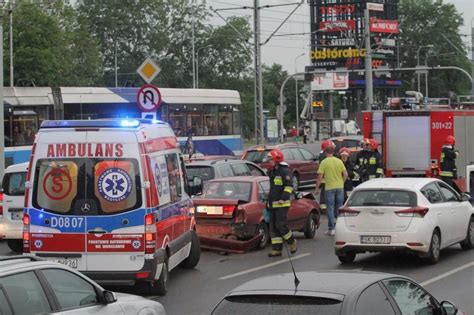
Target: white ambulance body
(108, 197)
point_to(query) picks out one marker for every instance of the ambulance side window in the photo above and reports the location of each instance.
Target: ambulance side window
(174, 176)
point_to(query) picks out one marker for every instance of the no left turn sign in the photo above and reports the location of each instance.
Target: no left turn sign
(149, 98)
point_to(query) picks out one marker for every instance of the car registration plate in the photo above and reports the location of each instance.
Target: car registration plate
(70, 262)
(375, 239)
(210, 209)
(17, 215)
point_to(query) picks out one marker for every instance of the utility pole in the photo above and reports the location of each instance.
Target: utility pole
(2, 121)
(10, 12)
(193, 12)
(369, 88)
(116, 74)
(472, 54)
(258, 74)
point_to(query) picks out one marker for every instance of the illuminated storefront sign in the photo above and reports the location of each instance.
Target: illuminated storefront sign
(383, 26)
(338, 9)
(337, 26)
(338, 53)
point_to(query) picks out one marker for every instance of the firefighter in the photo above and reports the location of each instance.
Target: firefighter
(345, 154)
(278, 204)
(448, 170)
(362, 160)
(375, 165)
(322, 156)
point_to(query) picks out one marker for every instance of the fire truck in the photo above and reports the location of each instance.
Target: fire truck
(411, 140)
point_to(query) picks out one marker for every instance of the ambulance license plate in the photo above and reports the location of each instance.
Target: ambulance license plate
(70, 262)
(375, 239)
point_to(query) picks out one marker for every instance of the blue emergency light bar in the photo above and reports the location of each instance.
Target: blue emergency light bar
(105, 123)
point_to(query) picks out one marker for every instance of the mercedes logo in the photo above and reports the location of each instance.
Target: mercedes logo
(86, 207)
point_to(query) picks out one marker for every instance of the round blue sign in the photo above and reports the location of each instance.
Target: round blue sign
(114, 185)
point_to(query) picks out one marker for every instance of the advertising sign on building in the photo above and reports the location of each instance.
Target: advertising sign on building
(383, 26)
(337, 26)
(330, 81)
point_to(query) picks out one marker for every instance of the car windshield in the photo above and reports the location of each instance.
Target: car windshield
(257, 156)
(205, 172)
(277, 304)
(227, 190)
(383, 198)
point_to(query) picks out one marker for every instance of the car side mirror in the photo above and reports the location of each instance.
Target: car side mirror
(449, 308)
(109, 297)
(465, 197)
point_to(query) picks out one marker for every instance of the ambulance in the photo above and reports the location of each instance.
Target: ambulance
(108, 198)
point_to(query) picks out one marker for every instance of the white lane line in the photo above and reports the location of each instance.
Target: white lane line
(279, 262)
(446, 274)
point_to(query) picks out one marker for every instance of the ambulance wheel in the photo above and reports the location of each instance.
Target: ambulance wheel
(468, 242)
(160, 286)
(16, 246)
(194, 253)
(262, 229)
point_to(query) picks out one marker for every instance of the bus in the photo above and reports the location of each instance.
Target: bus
(210, 116)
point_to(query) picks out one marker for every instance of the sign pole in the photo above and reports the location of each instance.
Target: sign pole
(2, 121)
(369, 88)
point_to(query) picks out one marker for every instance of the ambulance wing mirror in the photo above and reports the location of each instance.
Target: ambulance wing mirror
(109, 297)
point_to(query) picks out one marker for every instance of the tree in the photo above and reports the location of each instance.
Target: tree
(430, 22)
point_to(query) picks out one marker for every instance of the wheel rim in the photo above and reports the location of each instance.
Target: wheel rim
(294, 181)
(313, 223)
(471, 231)
(261, 231)
(165, 275)
(435, 246)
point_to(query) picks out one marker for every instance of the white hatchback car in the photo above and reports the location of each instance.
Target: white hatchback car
(420, 215)
(32, 285)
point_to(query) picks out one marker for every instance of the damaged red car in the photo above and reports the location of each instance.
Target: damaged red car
(229, 214)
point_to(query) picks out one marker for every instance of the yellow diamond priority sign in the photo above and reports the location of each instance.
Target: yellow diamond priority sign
(148, 70)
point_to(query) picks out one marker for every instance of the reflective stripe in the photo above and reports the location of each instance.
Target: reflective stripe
(372, 161)
(287, 236)
(278, 181)
(322, 206)
(442, 158)
(379, 171)
(446, 174)
(276, 204)
(277, 240)
(288, 189)
(371, 176)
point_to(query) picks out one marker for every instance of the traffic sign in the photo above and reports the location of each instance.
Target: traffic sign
(280, 111)
(148, 98)
(148, 70)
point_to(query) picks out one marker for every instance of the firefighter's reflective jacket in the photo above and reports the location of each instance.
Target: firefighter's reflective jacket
(448, 163)
(362, 164)
(280, 186)
(375, 165)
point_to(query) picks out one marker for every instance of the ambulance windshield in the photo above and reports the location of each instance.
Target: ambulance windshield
(87, 186)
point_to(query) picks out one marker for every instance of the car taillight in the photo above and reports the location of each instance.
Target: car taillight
(150, 234)
(26, 233)
(348, 212)
(228, 209)
(1, 203)
(419, 212)
(240, 216)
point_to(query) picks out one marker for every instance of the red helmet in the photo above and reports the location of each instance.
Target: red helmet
(345, 151)
(364, 142)
(276, 155)
(374, 145)
(450, 140)
(327, 143)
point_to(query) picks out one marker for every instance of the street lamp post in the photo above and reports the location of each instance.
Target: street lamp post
(297, 95)
(418, 61)
(197, 64)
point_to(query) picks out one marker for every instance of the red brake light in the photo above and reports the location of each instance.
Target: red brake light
(150, 234)
(149, 219)
(26, 233)
(348, 212)
(1, 203)
(228, 209)
(413, 212)
(142, 275)
(26, 219)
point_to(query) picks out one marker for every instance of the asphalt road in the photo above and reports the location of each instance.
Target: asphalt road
(197, 291)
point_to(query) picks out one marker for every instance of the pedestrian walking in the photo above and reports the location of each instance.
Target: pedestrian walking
(305, 134)
(334, 173)
(375, 165)
(279, 203)
(294, 134)
(322, 156)
(345, 154)
(448, 170)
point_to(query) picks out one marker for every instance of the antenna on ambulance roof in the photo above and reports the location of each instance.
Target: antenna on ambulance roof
(296, 280)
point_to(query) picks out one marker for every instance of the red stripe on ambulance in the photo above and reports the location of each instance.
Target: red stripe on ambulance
(53, 242)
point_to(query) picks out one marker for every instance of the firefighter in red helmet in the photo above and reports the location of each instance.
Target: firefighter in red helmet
(362, 160)
(375, 165)
(279, 203)
(448, 171)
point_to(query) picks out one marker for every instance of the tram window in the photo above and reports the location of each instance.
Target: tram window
(236, 121)
(178, 119)
(24, 127)
(194, 119)
(210, 119)
(225, 120)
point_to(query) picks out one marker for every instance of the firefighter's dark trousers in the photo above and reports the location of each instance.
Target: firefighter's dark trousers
(450, 181)
(279, 231)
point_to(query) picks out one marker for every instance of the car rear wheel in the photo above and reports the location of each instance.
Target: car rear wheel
(194, 254)
(15, 246)
(262, 229)
(435, 248)
(468, 242)
(160, 287)
(295, 182)
(311, 226)
(347, 258)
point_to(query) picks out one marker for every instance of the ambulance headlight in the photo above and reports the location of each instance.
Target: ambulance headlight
(129, 123)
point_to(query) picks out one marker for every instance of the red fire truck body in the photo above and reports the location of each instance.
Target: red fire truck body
(411, 140)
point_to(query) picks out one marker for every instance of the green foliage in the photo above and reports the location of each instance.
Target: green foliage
(424, 22)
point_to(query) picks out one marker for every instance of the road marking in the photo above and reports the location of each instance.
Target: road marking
(446, 274)
(279, 262)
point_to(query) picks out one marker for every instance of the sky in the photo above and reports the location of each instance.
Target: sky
(288, 50)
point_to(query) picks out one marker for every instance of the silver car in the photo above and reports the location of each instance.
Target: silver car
(31, 285)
